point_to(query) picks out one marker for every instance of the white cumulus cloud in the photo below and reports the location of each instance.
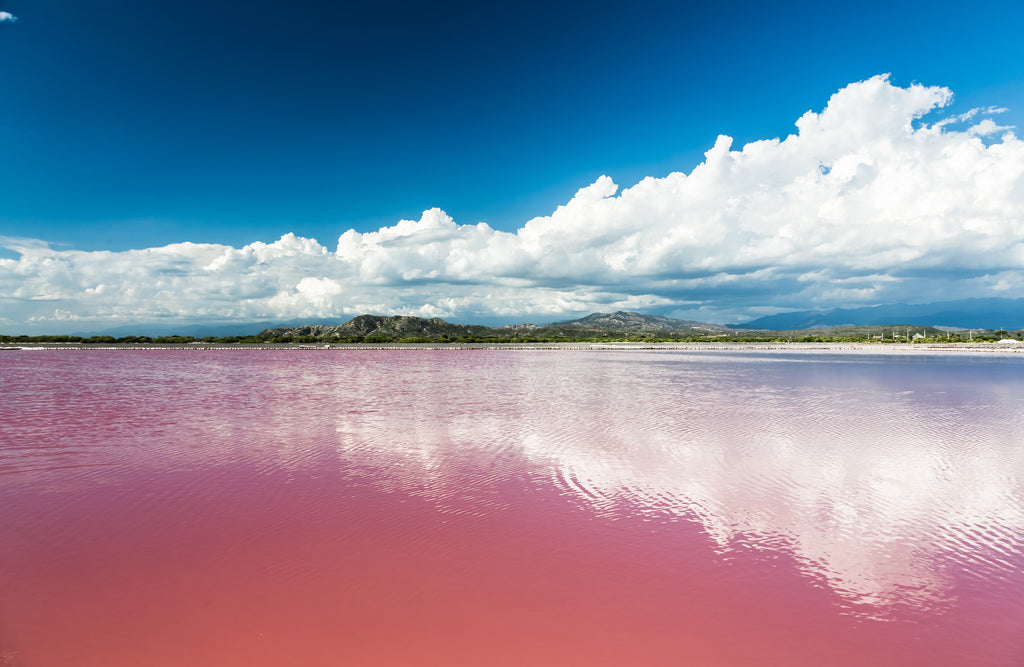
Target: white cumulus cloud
(868, 202)
(7, 16)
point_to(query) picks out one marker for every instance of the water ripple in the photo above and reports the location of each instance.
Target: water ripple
(895, 485)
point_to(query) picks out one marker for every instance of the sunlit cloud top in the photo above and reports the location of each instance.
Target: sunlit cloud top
(870, 201)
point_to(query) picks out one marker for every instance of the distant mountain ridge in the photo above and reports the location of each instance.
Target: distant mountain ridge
(628, 321)
(991, 313)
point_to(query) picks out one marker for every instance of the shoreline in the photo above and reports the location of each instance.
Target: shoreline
(870, 348)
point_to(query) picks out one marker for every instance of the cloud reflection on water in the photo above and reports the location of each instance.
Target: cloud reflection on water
(883, 480)
(890, 480)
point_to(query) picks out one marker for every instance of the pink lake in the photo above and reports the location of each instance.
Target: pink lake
(498, 507)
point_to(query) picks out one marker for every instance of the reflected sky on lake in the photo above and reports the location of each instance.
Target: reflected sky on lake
(886, 488)
(885, 478)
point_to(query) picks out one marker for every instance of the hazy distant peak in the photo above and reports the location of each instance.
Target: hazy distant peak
(991, 313)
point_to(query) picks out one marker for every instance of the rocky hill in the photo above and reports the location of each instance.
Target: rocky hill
(390, 327)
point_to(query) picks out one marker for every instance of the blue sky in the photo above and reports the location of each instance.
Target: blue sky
(129, 125)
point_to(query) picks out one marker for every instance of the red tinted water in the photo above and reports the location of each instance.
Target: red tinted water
(482, 507)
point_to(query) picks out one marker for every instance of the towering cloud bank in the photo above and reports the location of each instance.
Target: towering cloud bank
(868, 202)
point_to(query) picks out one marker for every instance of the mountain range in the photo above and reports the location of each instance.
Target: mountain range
(992, 313)
(392, 327)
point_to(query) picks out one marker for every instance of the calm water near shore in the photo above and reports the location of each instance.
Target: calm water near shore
(445, 507)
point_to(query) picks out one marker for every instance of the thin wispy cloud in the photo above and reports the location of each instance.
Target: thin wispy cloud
(868, 202)
(7, 17)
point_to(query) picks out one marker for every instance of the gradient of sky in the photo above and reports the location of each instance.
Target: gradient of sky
(131, 125)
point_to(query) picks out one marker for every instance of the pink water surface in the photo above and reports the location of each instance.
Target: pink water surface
(510, 507)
